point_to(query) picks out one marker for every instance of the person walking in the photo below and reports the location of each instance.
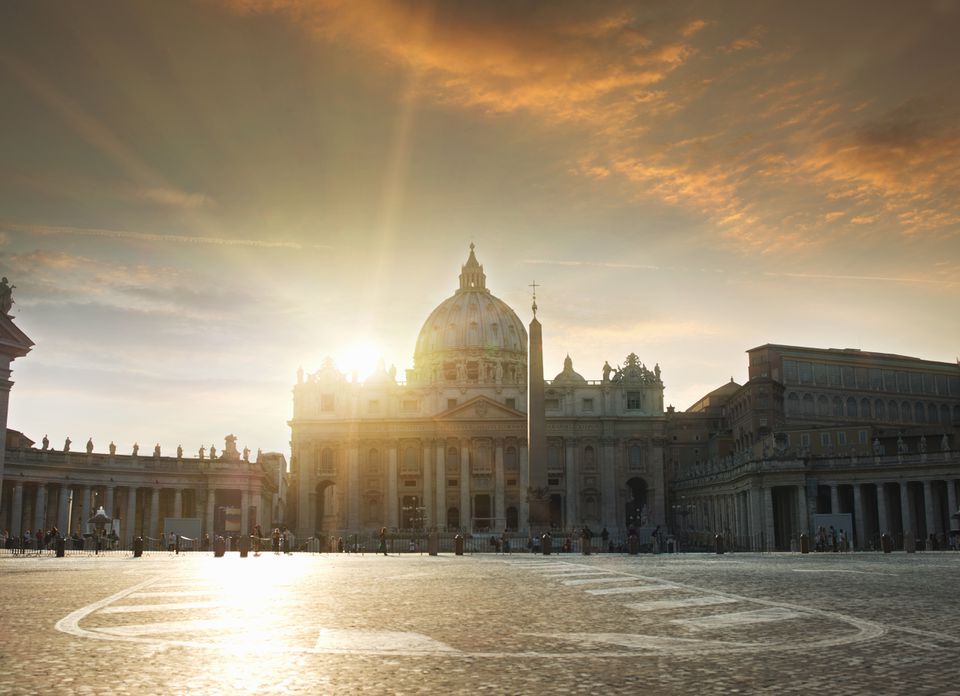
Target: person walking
(383, 541)
(276, 540)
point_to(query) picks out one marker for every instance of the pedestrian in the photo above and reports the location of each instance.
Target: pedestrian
(383, 541)
(276, 540)
(257, 533)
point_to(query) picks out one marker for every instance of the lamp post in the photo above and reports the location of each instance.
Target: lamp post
(99, 522)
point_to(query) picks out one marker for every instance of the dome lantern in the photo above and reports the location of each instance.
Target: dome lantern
(471, 274)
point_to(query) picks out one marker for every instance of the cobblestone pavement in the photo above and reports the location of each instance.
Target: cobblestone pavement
(814, 624)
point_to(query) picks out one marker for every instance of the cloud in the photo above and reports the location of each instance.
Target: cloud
(175, 199)
(151, 237)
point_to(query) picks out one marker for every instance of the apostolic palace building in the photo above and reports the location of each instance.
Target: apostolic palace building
(474, 439)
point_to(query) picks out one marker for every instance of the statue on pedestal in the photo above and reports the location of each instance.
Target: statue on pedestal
(156, 450)
(113, 448)
(90, 445)
(923, 444)
(877, 447)
(66, 445)
(213, 452)
(246, 454)
(200, 453)
(606, 371)
(179, 451)
(46, 442)
(136, 448)
(901, 445)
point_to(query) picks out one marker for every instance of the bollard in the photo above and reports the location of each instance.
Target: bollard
(244, 545)
(138, 547)
(60, 546)
(433, 544)
(909, 543)
(546, 544)
(458, 545)
(219, 547)
(804, 544)
(886, 543)
(718, 543)
(633, 544)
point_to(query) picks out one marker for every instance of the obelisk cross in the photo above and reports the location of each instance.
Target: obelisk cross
(534, 286)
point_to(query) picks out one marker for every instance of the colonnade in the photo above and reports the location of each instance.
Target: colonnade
(32, 505)
(770, 515)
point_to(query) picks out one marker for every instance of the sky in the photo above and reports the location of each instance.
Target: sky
(197, 198)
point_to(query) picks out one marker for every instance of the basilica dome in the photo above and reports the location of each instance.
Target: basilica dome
(472, 324)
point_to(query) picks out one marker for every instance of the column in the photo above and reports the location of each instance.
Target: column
(244, 511)
(129, 526)
(906, 514)
(81, 509)
(63, 509)
(178, 502)
(16, 510)
(570, 473)
(393, 503)
(928, 509)
(440, 519)
(466, 519)
(524, 511)
(859, 537)
(768, 518)
(40, 508)
(155, 513)
(834, 499)
(608, 492)
(883, 524)
(211, 502)
(109, 503)
(353, 485)
(499, 507)
(429, 512)
(802, 514)
(952, 502)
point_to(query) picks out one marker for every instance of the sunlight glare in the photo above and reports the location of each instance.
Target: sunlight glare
(358, 356)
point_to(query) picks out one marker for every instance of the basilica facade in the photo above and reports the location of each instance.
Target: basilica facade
(450, 448)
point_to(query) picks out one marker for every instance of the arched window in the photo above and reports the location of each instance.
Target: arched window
(510, 459)
(373, 463)
(956, 414)
(879, 411)
(793, 404)
(635, 458)
(945, 414)
(894, 411)
(410, 465)
(823, 406)
(808, 404)
(906, 412)
(864, 408)
(838, 406)
(919, 413)
(453, 460)
(589, 460)
(851, 408)
(326, 461)
(933, 415)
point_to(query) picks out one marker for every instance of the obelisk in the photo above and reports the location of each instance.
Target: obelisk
(537, 497)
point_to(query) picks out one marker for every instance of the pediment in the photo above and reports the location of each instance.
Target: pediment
(480, 408)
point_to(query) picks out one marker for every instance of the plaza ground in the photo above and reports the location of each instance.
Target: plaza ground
(344, 623)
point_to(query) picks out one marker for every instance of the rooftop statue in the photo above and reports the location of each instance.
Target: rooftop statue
(113, 447)
(156, 450)
(179, 451)
(66, 445)
(136, 448)
(46, 442)
(90, 446)
(6, 295)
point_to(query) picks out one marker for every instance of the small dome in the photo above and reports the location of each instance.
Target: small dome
(471, 321)
(569, 376)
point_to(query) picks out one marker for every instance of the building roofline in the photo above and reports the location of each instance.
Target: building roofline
(852, 352)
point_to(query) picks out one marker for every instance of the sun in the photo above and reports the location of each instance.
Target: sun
(358, 357)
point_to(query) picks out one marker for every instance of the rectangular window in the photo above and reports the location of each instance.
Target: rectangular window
(942, 385)
(551, 404)
(804, 439)
(916, 383)
(833, 372)
(790, 371)
(588, 404)
(841, 438)
(451, 483)
(451, 403)
(848, 380)
(806, 373)
(512, 403)
(410, 484)
(862, 437)
(553, 482)
(763, 422)
(820, 374)
(889, 381)
(876, 379)
(903, 383)
(326, 402)
(863, 378)
(954, 386)
(929, 384)
(408, 405)
(633, 401)
(511, 482)
(824, 439)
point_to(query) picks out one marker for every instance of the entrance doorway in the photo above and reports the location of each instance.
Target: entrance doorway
(482, 513)
(636, 508)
